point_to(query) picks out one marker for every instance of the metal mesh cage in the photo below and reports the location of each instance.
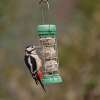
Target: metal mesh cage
(47, 34)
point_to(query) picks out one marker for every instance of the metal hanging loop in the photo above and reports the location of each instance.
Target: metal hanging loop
(47, 34)
(44, 1)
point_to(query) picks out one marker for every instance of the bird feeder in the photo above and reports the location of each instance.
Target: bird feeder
(47, 34)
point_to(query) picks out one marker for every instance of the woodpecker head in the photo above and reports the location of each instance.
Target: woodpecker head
(31, 49)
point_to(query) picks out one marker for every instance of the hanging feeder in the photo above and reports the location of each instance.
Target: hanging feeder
(47, 34)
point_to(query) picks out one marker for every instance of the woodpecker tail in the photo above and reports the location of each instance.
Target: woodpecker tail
(37, 76)
(36, 81)
(42, 85)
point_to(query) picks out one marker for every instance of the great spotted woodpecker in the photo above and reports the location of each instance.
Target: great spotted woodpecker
(34, 64)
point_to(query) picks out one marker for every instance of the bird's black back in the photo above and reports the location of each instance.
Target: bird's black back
(26, 61)
(33, 63)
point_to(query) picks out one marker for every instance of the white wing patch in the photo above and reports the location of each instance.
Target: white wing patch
(29, 61)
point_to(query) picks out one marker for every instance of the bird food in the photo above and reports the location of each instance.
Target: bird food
(51, 66)
(48, 41)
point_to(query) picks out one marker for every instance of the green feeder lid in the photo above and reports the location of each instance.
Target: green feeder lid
(46, 29)
(52, 79)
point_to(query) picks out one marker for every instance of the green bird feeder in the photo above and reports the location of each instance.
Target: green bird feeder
(47, 34)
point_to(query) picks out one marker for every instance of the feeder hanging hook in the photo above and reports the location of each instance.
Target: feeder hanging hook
(44, 1)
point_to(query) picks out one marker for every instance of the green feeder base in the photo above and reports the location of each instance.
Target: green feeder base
(52, 79)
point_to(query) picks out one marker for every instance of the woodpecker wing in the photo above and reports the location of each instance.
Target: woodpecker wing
(30, 66)
(33, 64)
(26, 62)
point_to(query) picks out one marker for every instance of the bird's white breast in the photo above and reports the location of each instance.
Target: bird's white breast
(38, 61)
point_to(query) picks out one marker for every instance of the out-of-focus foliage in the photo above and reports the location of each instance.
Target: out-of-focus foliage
(78, 24)
(88, 6)
(3, 6)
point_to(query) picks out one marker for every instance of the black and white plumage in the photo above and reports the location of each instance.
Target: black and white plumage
(34, 63)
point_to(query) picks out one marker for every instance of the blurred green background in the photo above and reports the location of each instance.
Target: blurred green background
(78, 25)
